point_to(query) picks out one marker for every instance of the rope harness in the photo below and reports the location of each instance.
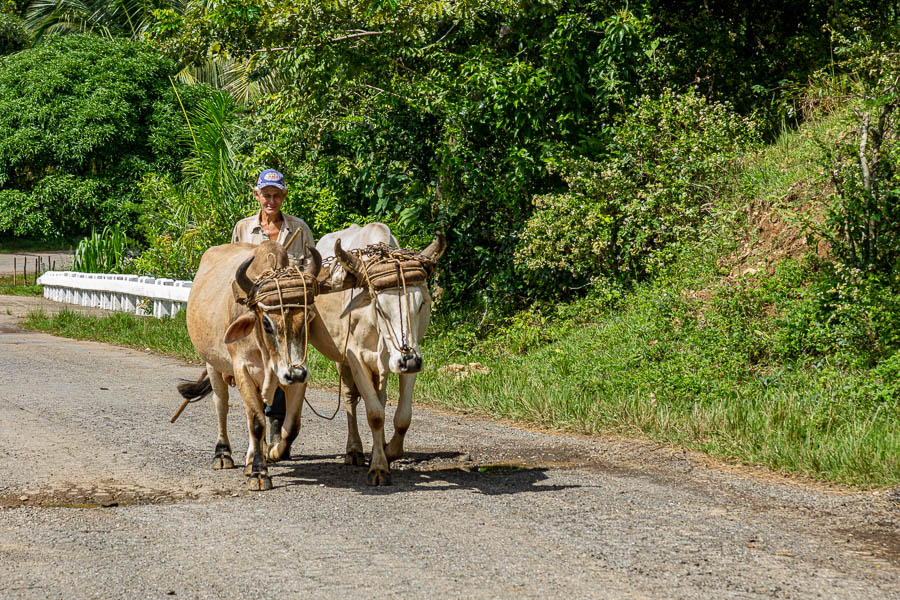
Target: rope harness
(280, 289)
(385, 268)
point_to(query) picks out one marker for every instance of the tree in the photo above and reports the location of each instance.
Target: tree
(107, 18)
(81, 120)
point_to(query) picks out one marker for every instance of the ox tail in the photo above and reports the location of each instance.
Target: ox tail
(195, 390)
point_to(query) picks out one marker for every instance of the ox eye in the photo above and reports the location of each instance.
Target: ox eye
(267, 325)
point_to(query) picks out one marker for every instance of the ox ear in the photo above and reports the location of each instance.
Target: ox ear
(363, 299)
(436, 248)
(240, 327)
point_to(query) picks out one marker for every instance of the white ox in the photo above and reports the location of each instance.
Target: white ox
(261, 348)
(369, 337)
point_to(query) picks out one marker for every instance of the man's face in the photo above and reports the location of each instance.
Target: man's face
(270, 199)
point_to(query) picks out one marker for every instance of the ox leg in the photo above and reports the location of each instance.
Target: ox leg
(402, 417)
(255, 468)
(379, 472)
(354, 454)
(293, 397)
(222, 458)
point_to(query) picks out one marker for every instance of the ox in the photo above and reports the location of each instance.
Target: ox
(371, 331)
(248, 317)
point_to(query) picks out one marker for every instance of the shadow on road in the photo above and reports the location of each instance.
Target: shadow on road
(418, 471)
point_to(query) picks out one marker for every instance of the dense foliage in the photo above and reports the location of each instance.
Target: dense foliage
(466, 116)
(631, 212)
(12, 34)
(82, 120)
(563, 146)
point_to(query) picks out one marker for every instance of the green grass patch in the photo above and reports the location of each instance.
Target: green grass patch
(686, 372)
(8, 288)
(166, 336)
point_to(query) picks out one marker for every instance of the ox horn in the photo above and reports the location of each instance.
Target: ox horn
(436, 248)
(240, 277)
(313, 263)
(351, 263)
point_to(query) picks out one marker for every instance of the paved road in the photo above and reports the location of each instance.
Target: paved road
(101, 497)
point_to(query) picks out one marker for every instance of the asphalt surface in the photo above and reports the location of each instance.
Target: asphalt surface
(102, 497)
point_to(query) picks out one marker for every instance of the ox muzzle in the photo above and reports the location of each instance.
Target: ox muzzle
(297, 374)
(410, 361)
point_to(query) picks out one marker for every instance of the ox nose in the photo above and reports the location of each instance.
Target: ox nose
(298, 374)
(410, 363)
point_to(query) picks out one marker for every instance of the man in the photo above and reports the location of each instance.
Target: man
(272, 224)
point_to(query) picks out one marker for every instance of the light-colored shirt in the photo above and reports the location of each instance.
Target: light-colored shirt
(250, 230)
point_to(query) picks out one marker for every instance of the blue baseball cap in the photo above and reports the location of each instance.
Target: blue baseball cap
(270, 177)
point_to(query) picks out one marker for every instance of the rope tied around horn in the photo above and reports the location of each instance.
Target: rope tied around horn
(384, 267)
(283, 287)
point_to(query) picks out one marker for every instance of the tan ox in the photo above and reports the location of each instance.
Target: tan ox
(262, 347)
(370, 336)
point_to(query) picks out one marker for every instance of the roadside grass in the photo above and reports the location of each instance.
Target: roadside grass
(670, 369)
(8, 289)
(165, 336)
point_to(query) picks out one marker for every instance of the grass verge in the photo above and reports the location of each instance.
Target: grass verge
(8, 289)
(165, 336)
(672, 369)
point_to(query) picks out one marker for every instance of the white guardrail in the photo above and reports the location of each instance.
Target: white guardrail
(128, 293)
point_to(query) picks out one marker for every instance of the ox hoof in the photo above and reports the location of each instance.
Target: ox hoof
(259, 483)
(274, 457)
(378, 478)
(223, 462)
(355, 458)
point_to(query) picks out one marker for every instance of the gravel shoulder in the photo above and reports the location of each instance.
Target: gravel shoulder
(102, 497)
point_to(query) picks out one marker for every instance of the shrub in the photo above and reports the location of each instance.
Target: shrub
(843, 314)
(628, 216)
(63, 204)
(863, 225)
(102, 253)
(13, 36)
